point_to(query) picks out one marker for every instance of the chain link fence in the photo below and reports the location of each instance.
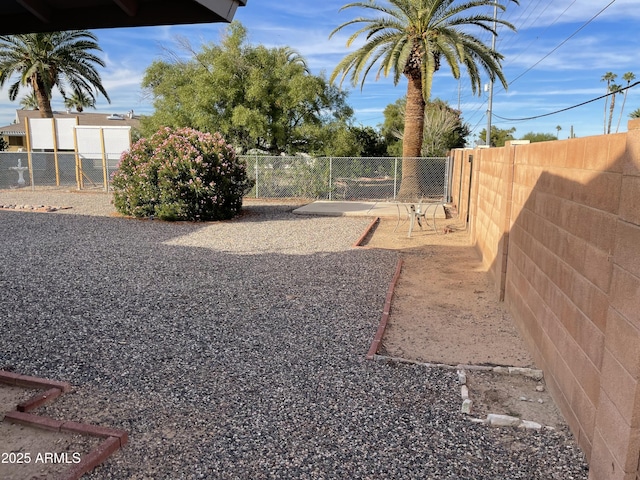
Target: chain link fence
(328, 178)
(344, 178)
(60, 169)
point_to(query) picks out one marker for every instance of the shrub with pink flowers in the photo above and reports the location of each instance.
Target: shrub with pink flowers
(180, 174)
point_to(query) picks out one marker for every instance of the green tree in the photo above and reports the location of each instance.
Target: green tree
(393, 126)
(257, 97)
(443, 128)
(79, 100)
(370, 141)
(558, 128)
(411, 38)
(539, 137)
(29, 102)
(628, 77)
(499, 136)
(340, 139)
(331, 139)
(635, 113)
(47, 60)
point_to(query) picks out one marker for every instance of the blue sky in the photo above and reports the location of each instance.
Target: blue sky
(554, 61)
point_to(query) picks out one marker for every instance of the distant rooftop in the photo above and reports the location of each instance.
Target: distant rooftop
(31, 16)
(84, 118)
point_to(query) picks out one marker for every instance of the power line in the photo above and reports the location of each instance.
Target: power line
(567, 108)
(562, 43)
(551, 52)
(512, 59)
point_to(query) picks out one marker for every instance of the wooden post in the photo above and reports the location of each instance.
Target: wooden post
(54, 130)
(27, 128)
(105, 175)
(78, 160)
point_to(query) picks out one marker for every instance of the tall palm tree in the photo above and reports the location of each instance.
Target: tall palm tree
(411, 38)
(608, 77)
(628, 77)
(47, 60)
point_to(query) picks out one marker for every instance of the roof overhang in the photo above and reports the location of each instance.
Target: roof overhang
(31, 16)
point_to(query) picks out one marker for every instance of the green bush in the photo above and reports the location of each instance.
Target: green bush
(180, 174)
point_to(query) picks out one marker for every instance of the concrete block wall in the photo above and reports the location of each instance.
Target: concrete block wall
(460, 180)
(616, 443)
(491, 209)
(558, 225)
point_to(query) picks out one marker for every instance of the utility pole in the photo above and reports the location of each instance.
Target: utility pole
(493, 47)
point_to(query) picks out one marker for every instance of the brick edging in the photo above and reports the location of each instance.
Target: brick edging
(367, 231)
(113, 438)
(18, 380)
(386, 310)
(94, 458)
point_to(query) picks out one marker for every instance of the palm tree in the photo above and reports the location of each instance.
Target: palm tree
(47, 60)
(614, 90)
(628, 77)
(29, 102)
(79, 100)
(608, 77)
(411, 38)
(635, 113)
(558, 128)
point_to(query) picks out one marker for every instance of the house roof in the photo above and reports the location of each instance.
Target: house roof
(84, 118)
(31, 16)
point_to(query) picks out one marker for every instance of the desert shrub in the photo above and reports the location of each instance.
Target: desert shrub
(180, 174)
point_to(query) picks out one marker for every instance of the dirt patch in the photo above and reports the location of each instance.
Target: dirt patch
(514, 395)
(445, 310)
(33, 453)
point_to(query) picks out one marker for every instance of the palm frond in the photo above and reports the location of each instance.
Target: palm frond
(52, 60)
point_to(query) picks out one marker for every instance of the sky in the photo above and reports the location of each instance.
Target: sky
(554, 61)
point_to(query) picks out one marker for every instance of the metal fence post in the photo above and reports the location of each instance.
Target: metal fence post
(395, 177)
(256, 168)
(330, 176)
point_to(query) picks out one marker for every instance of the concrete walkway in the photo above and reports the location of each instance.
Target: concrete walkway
(363, 209)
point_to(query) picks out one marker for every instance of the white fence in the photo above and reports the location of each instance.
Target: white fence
(63, 153)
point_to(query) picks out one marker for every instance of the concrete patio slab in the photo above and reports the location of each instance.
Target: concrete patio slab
(361, 209)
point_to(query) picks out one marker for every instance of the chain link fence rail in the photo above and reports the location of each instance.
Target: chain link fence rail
(343, 178)
(328, 178)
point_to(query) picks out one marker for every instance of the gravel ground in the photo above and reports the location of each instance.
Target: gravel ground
(235, 350)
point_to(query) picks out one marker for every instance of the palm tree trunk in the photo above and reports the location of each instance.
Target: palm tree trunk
(624, 100)
(606, 102)
(42, 96)
(44, 106)
(611, 109)
(412, 141)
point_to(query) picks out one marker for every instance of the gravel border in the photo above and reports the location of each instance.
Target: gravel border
(237, 350)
